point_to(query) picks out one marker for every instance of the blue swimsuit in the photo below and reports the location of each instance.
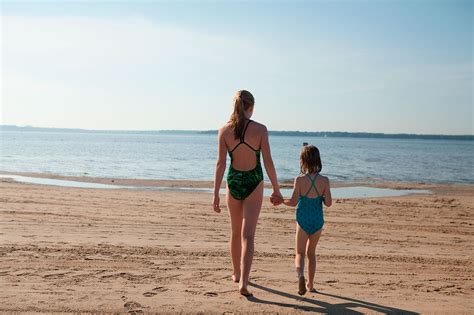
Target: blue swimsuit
(309, 211)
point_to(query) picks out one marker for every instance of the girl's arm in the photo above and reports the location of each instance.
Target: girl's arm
(327, 194)
(268, 163)
(220, 170)
(294, 198)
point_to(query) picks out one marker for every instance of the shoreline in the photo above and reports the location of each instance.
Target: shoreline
(337, 192)
(182, 183)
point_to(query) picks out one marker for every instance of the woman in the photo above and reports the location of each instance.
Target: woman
(244, 139)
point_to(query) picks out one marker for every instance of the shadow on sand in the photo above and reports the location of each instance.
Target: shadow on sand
(324, 307)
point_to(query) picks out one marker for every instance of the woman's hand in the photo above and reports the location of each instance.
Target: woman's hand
(276, 198)
(216, 204)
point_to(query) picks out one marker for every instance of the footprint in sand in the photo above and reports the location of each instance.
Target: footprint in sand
(133, 307)
(149, 294)
(56, 275)
(211, 294)
(159, 289)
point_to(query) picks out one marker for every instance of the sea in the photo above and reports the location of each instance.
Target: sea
(192, 156)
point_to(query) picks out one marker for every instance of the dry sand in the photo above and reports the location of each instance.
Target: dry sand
(95, 250)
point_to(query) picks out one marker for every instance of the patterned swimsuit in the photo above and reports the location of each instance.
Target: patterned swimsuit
(242, 183)
(309, 211)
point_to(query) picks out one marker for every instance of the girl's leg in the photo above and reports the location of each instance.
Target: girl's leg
(251, 210)
(311, 254)
(235, 213)
(301, 240)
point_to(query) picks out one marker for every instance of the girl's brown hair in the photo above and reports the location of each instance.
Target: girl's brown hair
(243, 100)
(310, 159)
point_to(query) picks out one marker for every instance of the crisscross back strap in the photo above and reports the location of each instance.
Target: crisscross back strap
(312, 184)
(242, 138)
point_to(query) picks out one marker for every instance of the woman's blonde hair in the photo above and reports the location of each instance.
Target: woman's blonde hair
(243, 100)
(310, 159)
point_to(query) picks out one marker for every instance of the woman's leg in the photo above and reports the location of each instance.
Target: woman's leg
(235, 213)
(311, 254)
(301, 240)
(251, 210)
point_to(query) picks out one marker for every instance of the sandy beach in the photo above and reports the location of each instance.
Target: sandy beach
(103, 250)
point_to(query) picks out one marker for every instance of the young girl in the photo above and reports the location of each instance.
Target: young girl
(309, 193)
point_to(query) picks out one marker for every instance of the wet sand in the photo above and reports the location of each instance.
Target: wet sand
(99, 250)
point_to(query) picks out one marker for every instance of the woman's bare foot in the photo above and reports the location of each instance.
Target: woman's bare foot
(245, 292)
(301, 286)
(235, 278)
(310, 288)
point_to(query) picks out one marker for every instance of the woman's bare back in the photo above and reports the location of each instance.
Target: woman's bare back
(244, 158)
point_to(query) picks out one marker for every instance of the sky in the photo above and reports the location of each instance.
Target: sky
(358, 66)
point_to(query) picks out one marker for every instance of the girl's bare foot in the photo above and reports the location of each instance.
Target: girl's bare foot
(235, 278)
(245, 292)
(301, 286)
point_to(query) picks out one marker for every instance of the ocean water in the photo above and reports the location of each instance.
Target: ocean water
(193, 156)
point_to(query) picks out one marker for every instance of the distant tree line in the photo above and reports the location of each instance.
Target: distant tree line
(333, 134)
(343, 134)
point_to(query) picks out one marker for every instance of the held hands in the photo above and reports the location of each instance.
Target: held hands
(276, 198)
(216, 204)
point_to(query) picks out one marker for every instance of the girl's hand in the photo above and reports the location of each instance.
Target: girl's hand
(276, 198)
(216, 204)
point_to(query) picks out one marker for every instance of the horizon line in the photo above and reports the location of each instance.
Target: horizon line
(215, 130)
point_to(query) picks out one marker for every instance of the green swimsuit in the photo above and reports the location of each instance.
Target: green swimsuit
(242, 183)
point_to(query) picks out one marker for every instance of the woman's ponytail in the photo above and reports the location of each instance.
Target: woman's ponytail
(243, 100)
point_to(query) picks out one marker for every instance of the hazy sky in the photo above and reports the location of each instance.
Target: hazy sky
(375, 66)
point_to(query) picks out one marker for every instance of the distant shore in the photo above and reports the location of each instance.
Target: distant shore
(331, 134)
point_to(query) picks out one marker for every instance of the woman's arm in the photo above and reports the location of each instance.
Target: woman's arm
(294, 198)
(268, 163)
(327, 194)
(220, 170)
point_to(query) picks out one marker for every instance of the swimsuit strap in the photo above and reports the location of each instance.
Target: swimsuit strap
(312, 184)
(242, 139)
